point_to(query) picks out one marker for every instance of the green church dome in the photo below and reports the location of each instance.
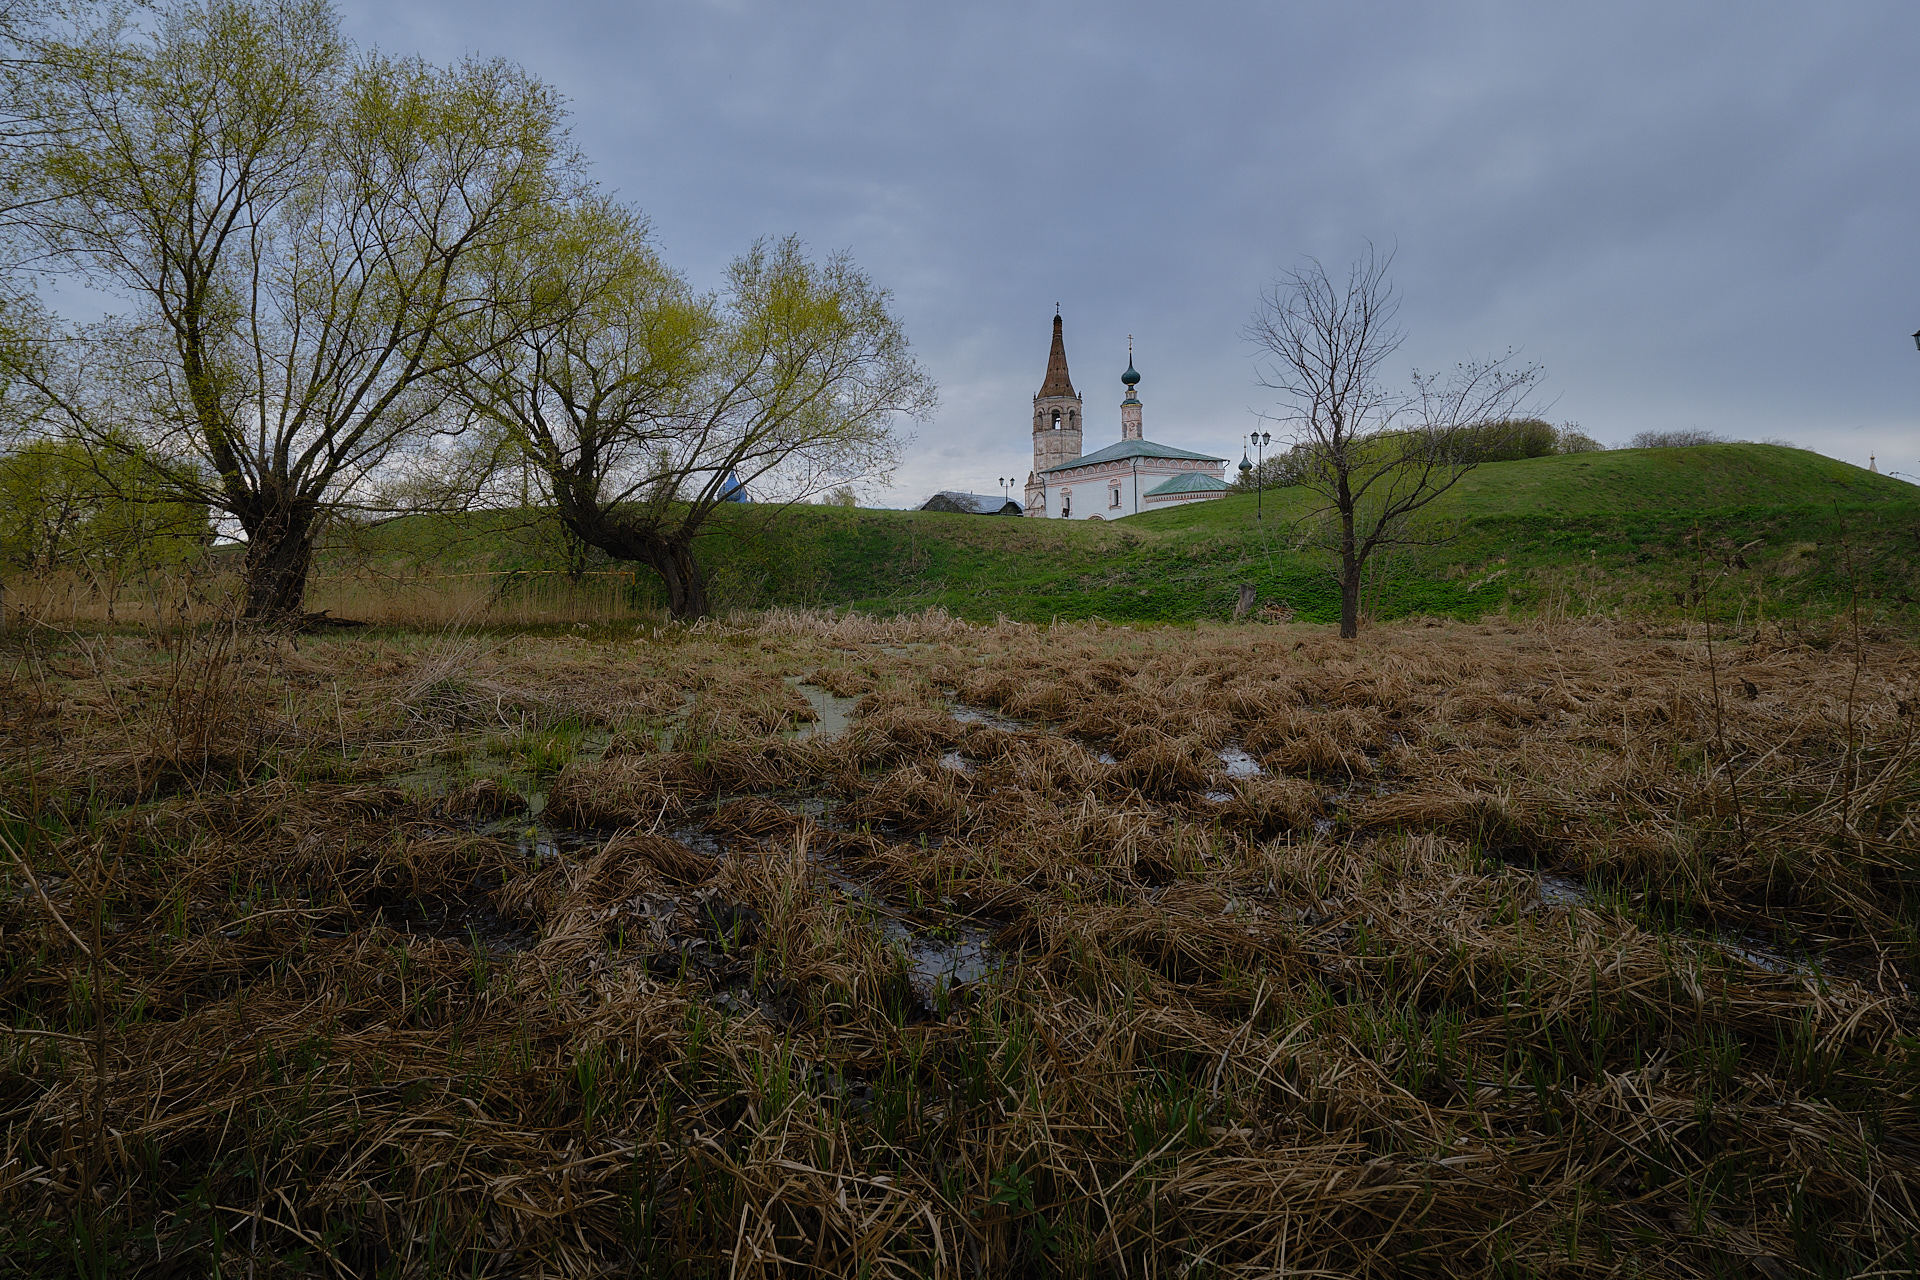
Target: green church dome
(1132, 376)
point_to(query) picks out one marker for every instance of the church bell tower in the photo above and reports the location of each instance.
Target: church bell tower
(1056, 415)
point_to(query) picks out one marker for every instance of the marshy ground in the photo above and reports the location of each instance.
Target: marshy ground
(917, 948)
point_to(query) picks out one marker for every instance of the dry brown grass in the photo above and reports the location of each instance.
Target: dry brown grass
(200, 595)
(417, 954)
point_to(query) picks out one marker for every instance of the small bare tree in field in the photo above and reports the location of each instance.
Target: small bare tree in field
(1376, 454)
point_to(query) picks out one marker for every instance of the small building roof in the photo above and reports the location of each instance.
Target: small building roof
(979, 504)
(1188, 482)
(1125, 449)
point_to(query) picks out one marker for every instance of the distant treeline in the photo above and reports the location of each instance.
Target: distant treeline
(1510, 441)
(1506, 441)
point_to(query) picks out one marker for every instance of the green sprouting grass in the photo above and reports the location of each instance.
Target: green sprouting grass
(1739, 528)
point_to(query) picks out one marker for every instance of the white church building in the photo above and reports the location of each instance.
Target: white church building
(1125, 478)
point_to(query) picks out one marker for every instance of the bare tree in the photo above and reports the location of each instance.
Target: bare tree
(1377, 455)
(297, 228)
(645, 407)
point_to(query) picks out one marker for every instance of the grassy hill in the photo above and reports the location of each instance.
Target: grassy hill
(1739, 528)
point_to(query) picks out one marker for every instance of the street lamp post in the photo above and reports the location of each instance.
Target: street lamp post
(1006, 490)
(1261, 439)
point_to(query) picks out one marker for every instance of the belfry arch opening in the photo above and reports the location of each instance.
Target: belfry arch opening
(1056, 419)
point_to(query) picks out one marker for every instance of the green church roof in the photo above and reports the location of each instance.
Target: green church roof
(1188, 482)
(1133, 449)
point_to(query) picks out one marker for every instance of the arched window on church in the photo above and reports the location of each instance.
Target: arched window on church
(1073, 419)
(1056, 419)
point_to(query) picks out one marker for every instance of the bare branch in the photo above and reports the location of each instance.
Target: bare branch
(1377, 456)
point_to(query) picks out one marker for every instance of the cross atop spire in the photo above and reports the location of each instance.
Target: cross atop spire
(1057, 383)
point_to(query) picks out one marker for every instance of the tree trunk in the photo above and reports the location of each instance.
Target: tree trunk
(667, 553)
(686, 583)
(1350, 564)
(279, 556)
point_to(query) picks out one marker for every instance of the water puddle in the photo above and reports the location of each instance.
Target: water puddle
(992, 719)
(938, 958)
(537, 843)
(537, 840)
(475, 923)
(958, 763)
(1239, 763)
(698, 839)
(1220, 797)
(935, 964)
(1566, 891)
(831, 714)
(1757, 952)
(665, 731)
(503, 775)
(1563, 891)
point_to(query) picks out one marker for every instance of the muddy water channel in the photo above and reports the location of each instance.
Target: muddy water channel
(1559, 891)
(697, 934)
(491, 794)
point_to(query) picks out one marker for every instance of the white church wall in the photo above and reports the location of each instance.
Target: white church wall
(1089, 494)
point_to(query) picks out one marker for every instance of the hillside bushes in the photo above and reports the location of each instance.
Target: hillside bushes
(1685, 439)
(1523, 438)
(1510, 441)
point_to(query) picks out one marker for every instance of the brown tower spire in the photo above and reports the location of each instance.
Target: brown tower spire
(1056, 417)
(1057, 383)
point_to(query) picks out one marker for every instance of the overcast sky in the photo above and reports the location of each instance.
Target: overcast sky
(1690, 215)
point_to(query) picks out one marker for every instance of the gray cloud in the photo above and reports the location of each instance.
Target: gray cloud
(1691, 216)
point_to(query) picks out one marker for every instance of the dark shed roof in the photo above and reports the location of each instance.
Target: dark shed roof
(971, 504)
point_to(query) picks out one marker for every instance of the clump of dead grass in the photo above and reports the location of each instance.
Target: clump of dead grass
(298, 1021)
(621, 791)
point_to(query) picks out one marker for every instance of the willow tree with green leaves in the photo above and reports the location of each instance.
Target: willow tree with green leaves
(300, 232)
(643, 405)
(99, 514)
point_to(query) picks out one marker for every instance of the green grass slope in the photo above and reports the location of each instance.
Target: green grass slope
(1740, 529)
